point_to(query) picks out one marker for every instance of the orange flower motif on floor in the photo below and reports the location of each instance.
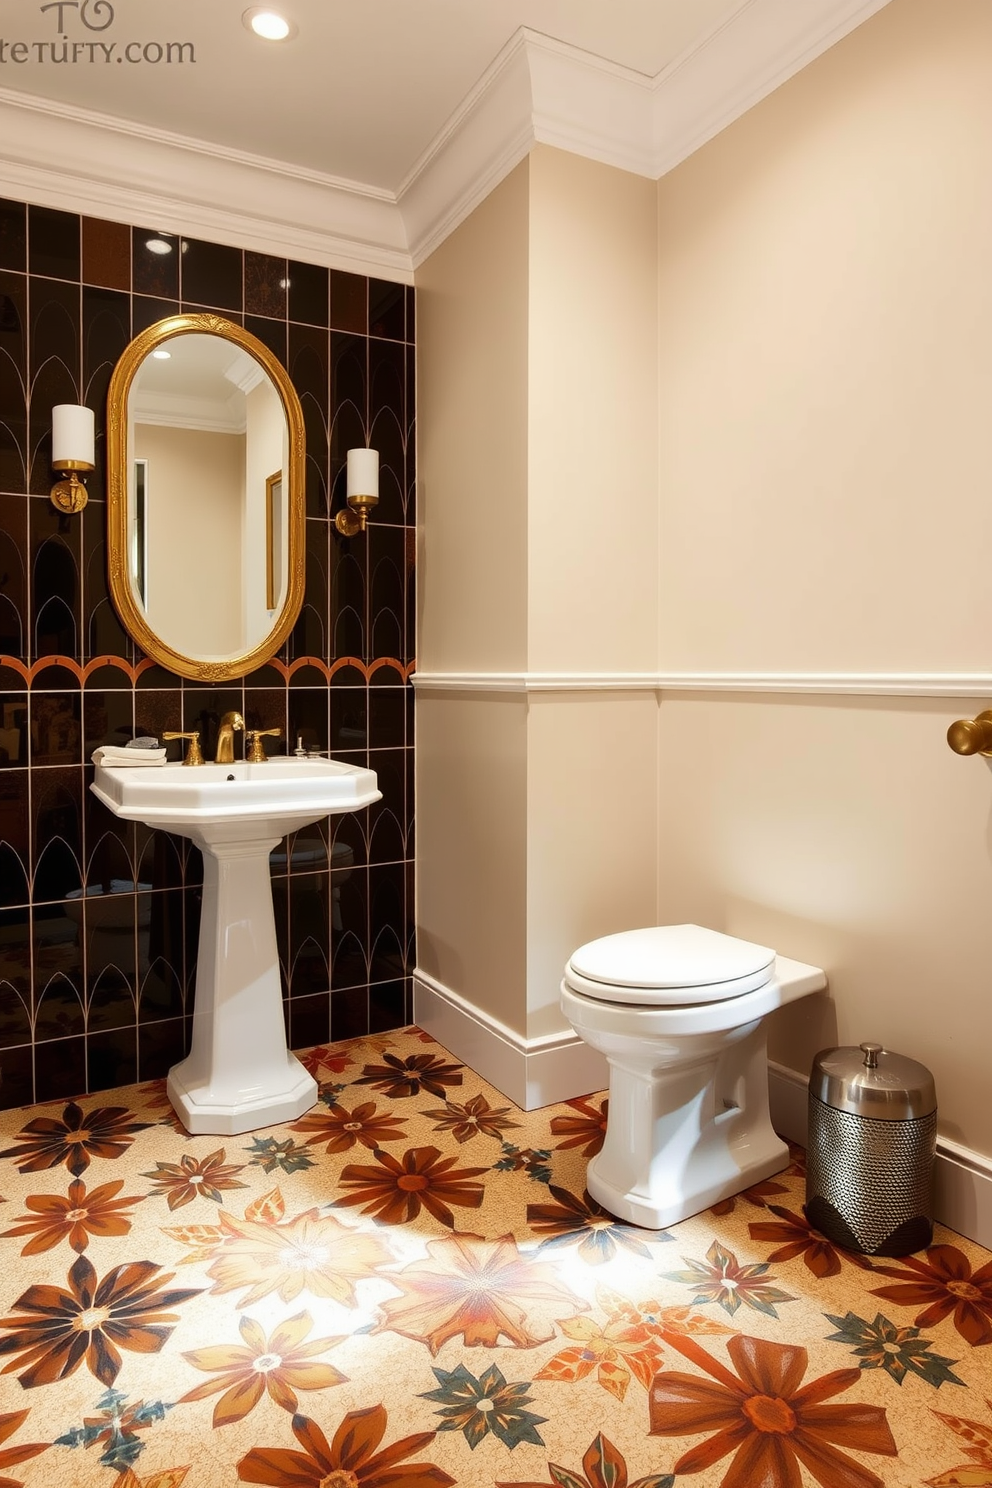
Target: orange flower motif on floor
(944, 1283)
(319, 1255)
(587, 1130)
(977, 1472)
(337, 1129)
(74, 1218)
(769, 1420)
(612, 1351)
(473, 1287)
(11, 1456)
(159, 1105)
(74, 1138)
(476, 1117)
(325, 1057)
(602, 1467)
(280, 1364)
(395, 1192)
(60, 1329)
(404, 1077)
(822, 1258)
(188, 1179)
(349, 1460)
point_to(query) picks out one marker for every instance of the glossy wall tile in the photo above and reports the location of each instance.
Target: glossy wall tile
(99, 918)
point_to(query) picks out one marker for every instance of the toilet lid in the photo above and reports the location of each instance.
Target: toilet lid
(669, 965)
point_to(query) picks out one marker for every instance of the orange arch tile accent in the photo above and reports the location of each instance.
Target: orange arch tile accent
(83, 673)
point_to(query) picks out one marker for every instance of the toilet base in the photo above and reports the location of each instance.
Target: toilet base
(713, 1181)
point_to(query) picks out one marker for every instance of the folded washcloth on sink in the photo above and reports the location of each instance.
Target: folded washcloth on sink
(113, 754)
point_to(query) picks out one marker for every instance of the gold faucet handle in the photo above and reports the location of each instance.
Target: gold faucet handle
(256, 755)
(194, 754)
(971, 735)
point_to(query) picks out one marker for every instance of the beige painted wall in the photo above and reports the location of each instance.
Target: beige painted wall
(195, 514)
(593, 437)
(826, 469)
(472, 299)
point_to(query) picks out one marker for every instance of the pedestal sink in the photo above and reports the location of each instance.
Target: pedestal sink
(239, 1074)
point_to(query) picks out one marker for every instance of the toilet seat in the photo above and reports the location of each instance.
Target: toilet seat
(668, 966)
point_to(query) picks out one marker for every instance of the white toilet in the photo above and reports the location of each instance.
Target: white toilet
(679, 1012)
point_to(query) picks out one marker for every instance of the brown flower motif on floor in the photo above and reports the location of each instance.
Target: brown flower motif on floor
(74, 1218)
(977, 1472)
(403, 1077)
(572, 1219)
(308, 1252)
(395, 1192)
(188, 1179)
(11, 1456)
(280, 1364)
(769, 1420)
(474, 1287)
(587, 1130)
(757, 1196)
(800, 1238)
(349, 1460)
(476, 1117)
(337, 1129)
(944, 1283)
(602, 1467)
(159, 1105)
(74, 1138)
(60, 1329)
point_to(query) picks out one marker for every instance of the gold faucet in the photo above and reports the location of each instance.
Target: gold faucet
(225, 738)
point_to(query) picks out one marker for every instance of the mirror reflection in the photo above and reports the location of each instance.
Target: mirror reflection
(206, 521)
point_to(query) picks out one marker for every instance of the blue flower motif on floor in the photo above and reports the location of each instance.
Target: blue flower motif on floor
(268, 1154)
(534, 1161)
(572, 1219)
(729, 1283)
(116, 1425)
(899, 1351)
(477, 1406)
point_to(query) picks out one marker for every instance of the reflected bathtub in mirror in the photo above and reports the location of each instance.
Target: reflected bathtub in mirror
(205, 497)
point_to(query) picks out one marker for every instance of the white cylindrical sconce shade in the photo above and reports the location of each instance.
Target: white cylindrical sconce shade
(73, 436)
(363, 473)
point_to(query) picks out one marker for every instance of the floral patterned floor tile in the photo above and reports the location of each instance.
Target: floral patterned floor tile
(409, 1287)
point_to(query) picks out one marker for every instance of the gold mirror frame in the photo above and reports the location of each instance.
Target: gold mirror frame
(121, 593)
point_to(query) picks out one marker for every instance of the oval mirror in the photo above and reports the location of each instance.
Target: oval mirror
(205, 499)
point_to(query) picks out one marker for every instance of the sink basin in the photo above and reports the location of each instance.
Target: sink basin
(239, 1074)
(289, 791)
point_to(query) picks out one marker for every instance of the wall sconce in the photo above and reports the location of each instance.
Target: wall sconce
(73, 441)
(363, 491)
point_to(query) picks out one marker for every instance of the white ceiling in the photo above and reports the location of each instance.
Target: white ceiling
(361, 90)
(368, 137)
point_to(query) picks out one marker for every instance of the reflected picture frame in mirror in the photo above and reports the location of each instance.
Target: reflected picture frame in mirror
(281, 510)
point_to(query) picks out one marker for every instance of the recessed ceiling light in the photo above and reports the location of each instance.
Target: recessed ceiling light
(158, 245)
(162, 355)
(269, 24)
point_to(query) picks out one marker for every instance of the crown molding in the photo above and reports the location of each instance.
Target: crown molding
(537, 90)
(81, 161)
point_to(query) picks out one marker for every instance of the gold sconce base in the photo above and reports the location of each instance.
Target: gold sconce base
(70, 495)
(354, 517)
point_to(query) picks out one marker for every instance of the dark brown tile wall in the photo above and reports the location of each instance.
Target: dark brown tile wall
(99, 918)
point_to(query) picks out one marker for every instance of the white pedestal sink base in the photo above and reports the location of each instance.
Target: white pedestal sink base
(239, 1074)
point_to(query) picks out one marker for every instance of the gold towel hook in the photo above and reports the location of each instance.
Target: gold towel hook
(972, 735)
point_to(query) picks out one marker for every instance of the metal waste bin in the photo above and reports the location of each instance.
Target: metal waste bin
(870, 1150)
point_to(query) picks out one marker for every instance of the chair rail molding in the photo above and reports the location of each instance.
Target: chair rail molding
(537, 90)
(850, 684)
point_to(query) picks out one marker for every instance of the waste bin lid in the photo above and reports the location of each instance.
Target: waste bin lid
(872, 1081)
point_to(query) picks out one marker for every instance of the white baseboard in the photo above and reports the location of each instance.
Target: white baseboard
(532, 1073)
(962, 1181)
